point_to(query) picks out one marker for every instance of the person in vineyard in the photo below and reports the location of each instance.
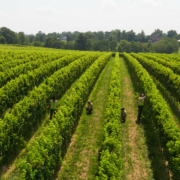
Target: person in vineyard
(53, 104)
(89, 107)
(123, 115)
(140, 105)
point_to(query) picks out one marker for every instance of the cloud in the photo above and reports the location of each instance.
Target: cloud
(108, 6)
(47, 10)
(135, 3)
(152, 2)
(3, 14)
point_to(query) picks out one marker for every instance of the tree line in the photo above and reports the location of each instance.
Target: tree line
(115, 40)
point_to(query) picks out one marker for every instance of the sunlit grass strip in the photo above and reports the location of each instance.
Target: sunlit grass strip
(111, 160)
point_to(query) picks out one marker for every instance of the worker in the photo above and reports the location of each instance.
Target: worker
(123, 115)
(140, 105)
(89, 107)
(53, 104)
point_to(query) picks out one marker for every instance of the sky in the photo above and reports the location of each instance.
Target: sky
(32, 16)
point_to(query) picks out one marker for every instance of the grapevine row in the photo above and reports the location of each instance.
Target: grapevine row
(164, 74)
(9, 56)
(17, 88)
(12, 73)
(26, 114)
(159, 114)
(111, 161)
(174, 65)
(169, 57)
(4, 66)
(43, 155)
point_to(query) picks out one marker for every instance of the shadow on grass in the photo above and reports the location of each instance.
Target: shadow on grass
(160, 171)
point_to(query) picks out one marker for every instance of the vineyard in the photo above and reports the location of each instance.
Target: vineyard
(75, 145)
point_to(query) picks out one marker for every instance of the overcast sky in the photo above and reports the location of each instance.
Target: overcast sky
(31, 16)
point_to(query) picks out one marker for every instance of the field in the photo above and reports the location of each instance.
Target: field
(77, 146)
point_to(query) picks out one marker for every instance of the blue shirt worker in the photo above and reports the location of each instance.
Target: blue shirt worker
(140, 105)
(53, 104)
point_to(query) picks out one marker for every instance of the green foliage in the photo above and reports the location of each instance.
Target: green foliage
(159, 114)
(2, 40)
(158, 32)
(43, 155)
(37, 43)
(102, 45)
(171, 33)
(28, 112)
(113, 45)
(16, 89)
(165, 61)
(82, 43)
(124, 46)
(167, 45)
(10, 36)
(163, 74)
(13, 68)
(111, 160)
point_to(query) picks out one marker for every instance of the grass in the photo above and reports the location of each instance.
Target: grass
(81, 161)
(137, 163)
(143, 154)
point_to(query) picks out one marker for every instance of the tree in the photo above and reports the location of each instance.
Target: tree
(131, 35)
(177, 36)
(113, 45)
(59, 44)
(158, 32)
(171, 33)
(167, 45)
(41, 36)
(102, 45)
(37, 38)
(49, 42)
(36, 43)
(136, 47)
(31, 38)
(11, 37)
(118, 35)
(21, 37)
(82, 42)
(107, 34)
(70, 45)
(143, 37)
(124, 46)
(2, 40)
(123, 35)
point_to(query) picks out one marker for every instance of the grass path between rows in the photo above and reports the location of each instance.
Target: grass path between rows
(81, 160)
(143, 158)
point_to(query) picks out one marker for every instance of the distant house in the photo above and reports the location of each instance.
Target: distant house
(155, 38)
(64, 38)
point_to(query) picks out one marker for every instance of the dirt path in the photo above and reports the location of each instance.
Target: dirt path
(81, 161)
(137, 164)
